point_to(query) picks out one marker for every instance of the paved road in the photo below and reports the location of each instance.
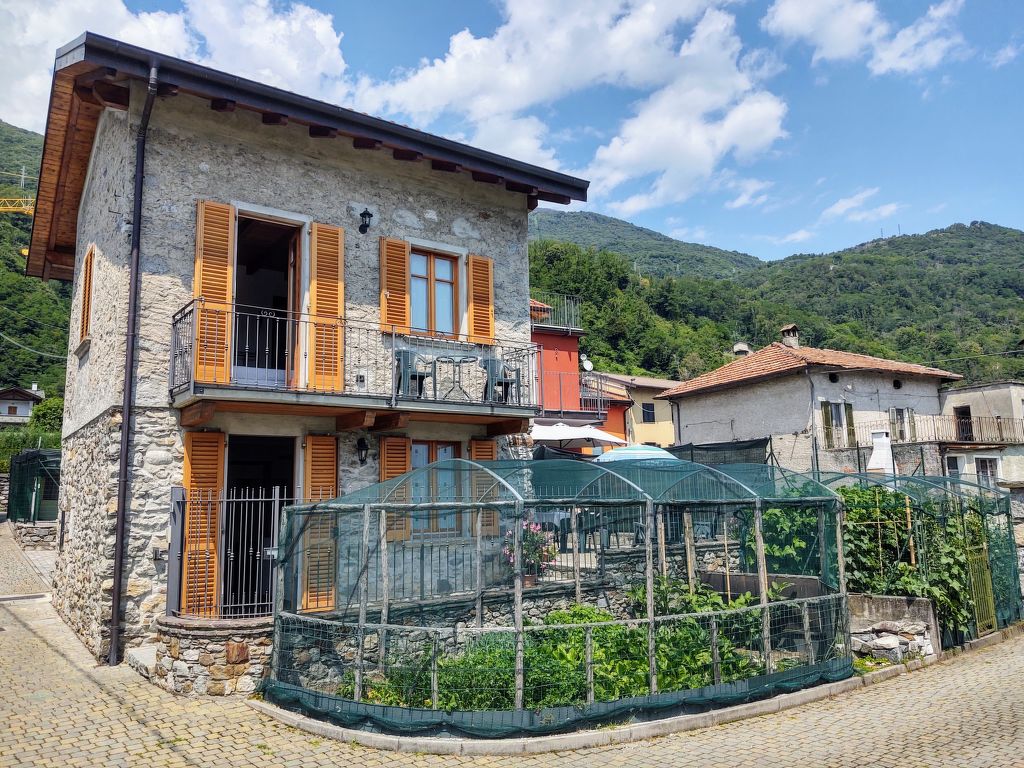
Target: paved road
(57, 707)
(17, 576)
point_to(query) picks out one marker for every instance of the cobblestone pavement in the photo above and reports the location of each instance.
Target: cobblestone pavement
(58, 708)
(17, 576)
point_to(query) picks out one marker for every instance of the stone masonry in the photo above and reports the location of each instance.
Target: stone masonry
(36, 535)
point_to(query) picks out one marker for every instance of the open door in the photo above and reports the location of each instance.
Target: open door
(295, 305)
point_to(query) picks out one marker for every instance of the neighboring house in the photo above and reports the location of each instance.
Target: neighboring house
(648, 420)
(568, 392)
(988, 421)
(325, 299)
(821, 408)
(16, 404)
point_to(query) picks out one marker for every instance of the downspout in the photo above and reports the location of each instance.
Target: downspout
(815, 465)
(129, 379)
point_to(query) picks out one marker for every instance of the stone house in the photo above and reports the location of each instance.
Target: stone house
(309, 299)
(821, 408)
(16, 404)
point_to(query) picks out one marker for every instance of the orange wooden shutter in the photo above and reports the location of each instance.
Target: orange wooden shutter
(204, 485)
(319, 564)
(214, 289)
(484, 487)
(87, 293)
(394, 285)
(480, 279)
(395, 460)
(327, 305)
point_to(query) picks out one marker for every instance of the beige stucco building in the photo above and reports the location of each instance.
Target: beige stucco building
(309, 299)
(648, 420)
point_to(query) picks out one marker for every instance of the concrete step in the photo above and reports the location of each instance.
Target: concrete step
(142, 659)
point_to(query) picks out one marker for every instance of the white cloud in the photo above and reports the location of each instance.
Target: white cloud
(852, 208)
(689, 234)
(1005, 55)
(796, 237)
(846, 204)
(680, 134)
(846, 30)
(519, 137)
(751, 193)
(874, 214)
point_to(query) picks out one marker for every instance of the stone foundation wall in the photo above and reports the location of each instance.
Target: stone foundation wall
(5, 492)
(220, 658)
(84, 573)
(36, 535)
(892, 627)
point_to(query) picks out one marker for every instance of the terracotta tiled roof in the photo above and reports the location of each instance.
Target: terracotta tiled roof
(779, 360)
(534, 304)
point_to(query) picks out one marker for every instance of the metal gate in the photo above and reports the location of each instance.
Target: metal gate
(981, 589)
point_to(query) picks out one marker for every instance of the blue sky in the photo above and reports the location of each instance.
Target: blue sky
(766, 126)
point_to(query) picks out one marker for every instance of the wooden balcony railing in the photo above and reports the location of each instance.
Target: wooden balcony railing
(920, 428)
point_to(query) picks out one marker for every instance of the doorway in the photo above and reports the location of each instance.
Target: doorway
(267, 296)
(255, 467)
(964, 425)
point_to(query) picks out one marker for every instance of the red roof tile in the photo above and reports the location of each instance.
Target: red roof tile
(779, 360)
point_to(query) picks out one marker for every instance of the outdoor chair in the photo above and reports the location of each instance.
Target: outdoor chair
(412, 371)
(501, 380)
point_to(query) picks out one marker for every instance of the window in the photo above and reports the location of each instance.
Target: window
(987, 471)
(954, 466)
(902, 428)
(648, 412)
(837, 425)
(12, 410)
(439, 486)
(433, 294)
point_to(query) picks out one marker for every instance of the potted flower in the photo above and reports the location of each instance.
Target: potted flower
(539, 551)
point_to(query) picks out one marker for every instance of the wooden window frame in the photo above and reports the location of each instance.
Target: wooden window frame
(432, 448)
(85, 321)
(432, 280)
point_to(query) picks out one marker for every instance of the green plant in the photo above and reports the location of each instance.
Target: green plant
(538, 548)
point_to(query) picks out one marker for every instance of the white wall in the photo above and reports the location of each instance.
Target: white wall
(24, 408)
(1005, 400)
(775, 407)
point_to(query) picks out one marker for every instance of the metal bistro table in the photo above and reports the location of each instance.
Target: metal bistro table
(456, 361)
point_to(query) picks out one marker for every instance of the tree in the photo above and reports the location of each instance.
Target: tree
(48, 415)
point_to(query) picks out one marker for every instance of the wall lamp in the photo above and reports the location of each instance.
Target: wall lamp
(365, 217)
(362, 450)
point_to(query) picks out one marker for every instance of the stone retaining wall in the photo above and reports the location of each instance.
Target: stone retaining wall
(5, 492)
(893, 627)
(36, 535)
(198, 658)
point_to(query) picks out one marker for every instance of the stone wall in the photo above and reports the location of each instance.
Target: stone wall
(893, 628)
(198, 658)
(36, 535)
(5, 492)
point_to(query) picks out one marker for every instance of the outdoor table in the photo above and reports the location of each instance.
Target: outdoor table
(456, 361)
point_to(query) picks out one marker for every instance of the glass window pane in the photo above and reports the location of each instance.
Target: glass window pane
(443, 269)
(418, 264)
(418, 303)
(444, 318)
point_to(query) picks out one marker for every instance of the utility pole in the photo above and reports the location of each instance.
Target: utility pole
(23, 177)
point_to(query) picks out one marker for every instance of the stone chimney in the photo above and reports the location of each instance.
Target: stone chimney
(740, 349)
(790, 335)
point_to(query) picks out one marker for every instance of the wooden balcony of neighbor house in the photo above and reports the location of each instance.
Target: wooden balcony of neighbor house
(555, 311)
(920, 428)
(234, 357)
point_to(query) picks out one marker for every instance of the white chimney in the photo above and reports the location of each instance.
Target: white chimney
(740, 349)
(790, 335)
(35, 386)
(882, 461)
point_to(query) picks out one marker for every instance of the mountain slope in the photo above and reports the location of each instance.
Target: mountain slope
(652, 252)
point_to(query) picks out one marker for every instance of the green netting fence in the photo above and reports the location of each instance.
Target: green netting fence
(501, 598)
(34, 486)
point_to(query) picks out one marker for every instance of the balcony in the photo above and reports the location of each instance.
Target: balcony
(254, 354)
(555, 311)
(985, 430)
(581, 395)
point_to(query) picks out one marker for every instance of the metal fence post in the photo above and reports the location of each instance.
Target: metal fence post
(574, 531)
(652, 661)
(762, 584)
(385, 583)
(517, 566)
(716, 661)
(363, 595)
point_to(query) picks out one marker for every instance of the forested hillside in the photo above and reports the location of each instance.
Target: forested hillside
(33, 313)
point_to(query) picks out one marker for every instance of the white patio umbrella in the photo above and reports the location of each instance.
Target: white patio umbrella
(635, 452)
(568, 436)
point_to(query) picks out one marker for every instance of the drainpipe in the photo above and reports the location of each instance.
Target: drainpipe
(815, 464)
(129, 379)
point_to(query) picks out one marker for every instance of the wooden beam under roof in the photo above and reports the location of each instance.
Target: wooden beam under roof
(110, 95)
(393, 420)
(322, 132)
(354, 420)
(508, 427)
(222, 105)
(198, 414)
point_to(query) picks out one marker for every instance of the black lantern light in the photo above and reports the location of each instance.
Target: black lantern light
(365, 217)
(362, 450)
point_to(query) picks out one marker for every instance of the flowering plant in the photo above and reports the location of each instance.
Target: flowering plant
(539, 549)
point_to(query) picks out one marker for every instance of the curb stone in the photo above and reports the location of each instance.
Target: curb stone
(622, 734)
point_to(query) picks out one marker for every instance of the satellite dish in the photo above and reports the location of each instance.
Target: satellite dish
(583, 357)
(588, 366)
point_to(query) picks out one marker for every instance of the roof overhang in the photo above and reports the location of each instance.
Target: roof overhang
(92, 72)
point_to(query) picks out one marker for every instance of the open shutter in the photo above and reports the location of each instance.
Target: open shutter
(484, 488)
(86, 319)
(826, 423)
(327, 305)
(204, 485)
(394, 285)
(480, 279)
(395, 460)
(319, 564)
(911, 425)
(851, 430)
(213, 289)
(894, 434)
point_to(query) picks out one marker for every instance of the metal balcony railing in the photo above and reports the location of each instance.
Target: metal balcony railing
(244, 347)
(929, 429)
(563, 393)
(555, 310)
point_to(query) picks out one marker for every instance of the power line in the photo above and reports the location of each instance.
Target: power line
(29, 349)
(974, 357)
(34, 320)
